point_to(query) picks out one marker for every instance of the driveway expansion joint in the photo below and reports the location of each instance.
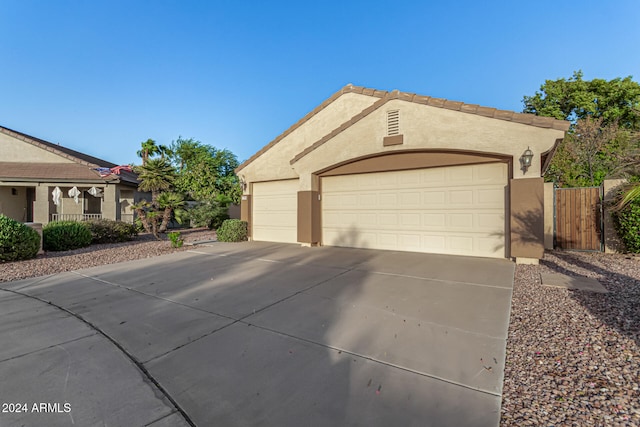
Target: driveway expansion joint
(241, 319)
(374, 360)
(128, 355)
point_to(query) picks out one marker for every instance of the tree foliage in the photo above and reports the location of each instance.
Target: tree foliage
(591, 152)
(616, 101)
(187, 168)
(156, 175)
(605, 118)
(205, 172)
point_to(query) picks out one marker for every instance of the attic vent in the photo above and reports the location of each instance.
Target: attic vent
(393, 122)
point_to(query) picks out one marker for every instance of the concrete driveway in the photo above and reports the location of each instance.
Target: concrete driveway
(261, 334)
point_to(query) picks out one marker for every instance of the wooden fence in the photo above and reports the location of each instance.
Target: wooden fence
(578, 218)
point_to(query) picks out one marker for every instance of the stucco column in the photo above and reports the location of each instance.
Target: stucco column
(527, 219)
(41, 204)
(110, 202)
(548, 215)
(309, 230)
(309, 210)
(245, 212)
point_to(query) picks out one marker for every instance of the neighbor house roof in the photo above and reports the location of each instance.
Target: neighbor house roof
(82, 168)
(386, 96)
(48, 171)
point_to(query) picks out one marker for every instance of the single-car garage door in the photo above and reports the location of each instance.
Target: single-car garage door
(275, 206)
(450, 210)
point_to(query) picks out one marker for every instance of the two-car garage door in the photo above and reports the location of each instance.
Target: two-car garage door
(451, 210)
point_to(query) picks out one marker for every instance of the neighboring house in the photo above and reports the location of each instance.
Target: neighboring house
(400, 171)
(34, 171)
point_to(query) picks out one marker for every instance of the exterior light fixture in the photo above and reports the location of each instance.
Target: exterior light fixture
(525, 159)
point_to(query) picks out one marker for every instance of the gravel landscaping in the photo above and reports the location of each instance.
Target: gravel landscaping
(573, 357)
(144, 246)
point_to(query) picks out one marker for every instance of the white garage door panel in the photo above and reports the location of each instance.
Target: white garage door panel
(452, 210)
(275, 211)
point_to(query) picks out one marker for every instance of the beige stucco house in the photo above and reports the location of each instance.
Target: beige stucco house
(41, 181)
(400, 171)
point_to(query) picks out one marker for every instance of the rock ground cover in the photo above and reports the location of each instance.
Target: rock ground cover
(573, 357)
(143, 246)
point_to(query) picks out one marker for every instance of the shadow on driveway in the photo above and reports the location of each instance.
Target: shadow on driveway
(275, 334)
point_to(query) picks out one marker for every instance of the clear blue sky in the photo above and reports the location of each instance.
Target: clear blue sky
(101, 76)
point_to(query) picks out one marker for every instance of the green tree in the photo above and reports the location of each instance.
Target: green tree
(604, 116)
(616, 101)
(205, 172)
(589, 153)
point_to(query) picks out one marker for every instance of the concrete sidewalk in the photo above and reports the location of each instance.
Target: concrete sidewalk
(265, 334)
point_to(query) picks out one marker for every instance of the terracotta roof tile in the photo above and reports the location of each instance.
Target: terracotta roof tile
(453, 105)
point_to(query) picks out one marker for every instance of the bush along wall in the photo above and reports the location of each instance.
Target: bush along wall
(65, 235)
(109, 231)
(17, 241)
(232, 230)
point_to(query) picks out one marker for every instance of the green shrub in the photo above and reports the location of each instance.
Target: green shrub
(209, 214)
(176, 240)
(109, 231)
(17, 241)
(627, 224)
(65, 235)
(232, 230)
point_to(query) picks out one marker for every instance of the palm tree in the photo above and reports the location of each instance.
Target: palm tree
(156, 175)
(632, 193)
(141, 208)
(170, 202)
(164, 151)
(149, 148)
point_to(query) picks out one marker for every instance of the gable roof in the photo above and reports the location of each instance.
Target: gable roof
(83, 168)
(386, 96)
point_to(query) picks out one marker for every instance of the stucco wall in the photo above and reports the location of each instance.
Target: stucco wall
(14, 150)
(426, 127)
(274, 163)
(549, 215)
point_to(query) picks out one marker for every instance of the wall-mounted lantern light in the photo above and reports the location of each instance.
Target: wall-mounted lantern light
(525, 159)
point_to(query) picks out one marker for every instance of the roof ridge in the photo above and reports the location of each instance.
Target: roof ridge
(385, 96)
(522, 118)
